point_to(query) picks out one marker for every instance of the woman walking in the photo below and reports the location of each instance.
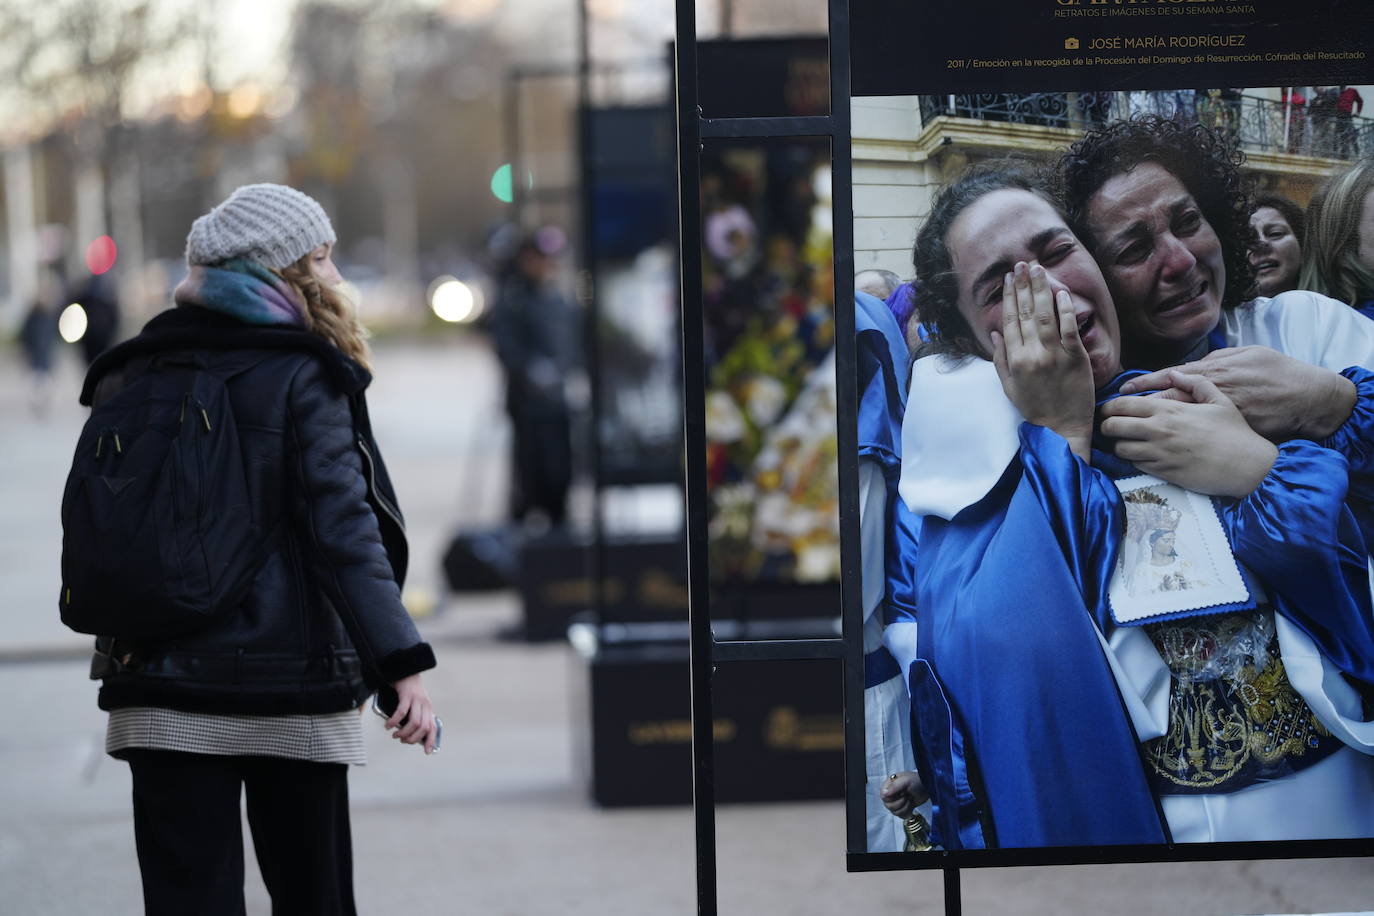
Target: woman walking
(264, 697)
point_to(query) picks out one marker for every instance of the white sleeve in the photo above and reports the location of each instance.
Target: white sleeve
(899, 638)
(1304, 325)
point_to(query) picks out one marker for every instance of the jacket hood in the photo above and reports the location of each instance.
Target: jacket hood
(195, 328)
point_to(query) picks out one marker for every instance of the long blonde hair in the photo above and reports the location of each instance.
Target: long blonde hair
(1331, 252)
(328, 313)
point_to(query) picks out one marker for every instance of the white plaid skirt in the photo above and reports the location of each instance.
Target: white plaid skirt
(326, 738)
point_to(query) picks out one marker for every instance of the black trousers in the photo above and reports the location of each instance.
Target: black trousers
(190, 842)
(542, 434)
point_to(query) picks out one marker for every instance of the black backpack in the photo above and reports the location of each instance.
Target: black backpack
(158, 534)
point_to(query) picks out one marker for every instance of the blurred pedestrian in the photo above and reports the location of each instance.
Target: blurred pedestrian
(535, 333)
(265, 696)
(1338, 253)
(37, 338)
(1277, 226)
(97, 296)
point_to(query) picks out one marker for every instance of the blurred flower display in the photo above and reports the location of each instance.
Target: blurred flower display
(770, 409)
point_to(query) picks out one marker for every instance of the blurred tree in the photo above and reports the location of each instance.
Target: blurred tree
(399, 126)
(70, 64)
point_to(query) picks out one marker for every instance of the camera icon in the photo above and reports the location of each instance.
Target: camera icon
(1070, 44)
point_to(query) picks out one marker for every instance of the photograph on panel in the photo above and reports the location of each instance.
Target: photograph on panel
(1114, 432)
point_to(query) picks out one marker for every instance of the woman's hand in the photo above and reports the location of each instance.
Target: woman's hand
(902, 792)
(414, 706)
(1192, 436)
(1041, 360)
(1281, 398)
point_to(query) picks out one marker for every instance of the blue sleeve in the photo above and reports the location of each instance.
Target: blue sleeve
(1355, 437)
(1084, 508)
(900, 561)
(1297, 534)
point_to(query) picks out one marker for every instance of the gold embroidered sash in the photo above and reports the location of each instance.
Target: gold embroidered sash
(1234, 719)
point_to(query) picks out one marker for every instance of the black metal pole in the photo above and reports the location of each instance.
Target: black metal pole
(846, 430)
(694, 442)
(587, 293)
(953, 904)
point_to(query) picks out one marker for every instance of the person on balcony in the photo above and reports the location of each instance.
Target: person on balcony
(1323, 111)
(1295, 104)
(1348, 104)
(1231, 99)
(1094, 107)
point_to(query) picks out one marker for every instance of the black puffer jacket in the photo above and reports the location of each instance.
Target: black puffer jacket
(323, 624)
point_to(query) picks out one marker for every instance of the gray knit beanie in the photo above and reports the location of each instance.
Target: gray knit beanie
(268, 223)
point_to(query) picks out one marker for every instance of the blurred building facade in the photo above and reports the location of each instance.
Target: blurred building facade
(390, 114)
(906, 147)
(131, 119)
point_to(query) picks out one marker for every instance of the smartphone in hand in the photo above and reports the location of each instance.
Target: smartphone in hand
(384, 704)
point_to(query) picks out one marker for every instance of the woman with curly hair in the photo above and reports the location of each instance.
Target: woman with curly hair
(1166, 211)
(1339, 258)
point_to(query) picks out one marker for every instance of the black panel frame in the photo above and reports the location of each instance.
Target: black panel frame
(705, 650)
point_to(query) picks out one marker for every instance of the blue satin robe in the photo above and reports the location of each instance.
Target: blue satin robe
(1021, 729)
(881, 355)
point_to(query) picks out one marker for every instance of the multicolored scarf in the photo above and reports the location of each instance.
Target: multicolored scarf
(244, 289)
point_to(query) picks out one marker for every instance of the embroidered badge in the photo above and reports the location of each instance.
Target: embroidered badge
(1234, 719)
(1175, 560)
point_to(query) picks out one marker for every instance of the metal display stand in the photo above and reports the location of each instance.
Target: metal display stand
(706, 651)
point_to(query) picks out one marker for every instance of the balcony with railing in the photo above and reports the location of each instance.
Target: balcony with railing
(1047, 120)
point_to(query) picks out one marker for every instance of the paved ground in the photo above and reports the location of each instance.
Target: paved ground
(499, 823)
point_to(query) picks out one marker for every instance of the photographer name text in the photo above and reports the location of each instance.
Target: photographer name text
(1148, 42)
